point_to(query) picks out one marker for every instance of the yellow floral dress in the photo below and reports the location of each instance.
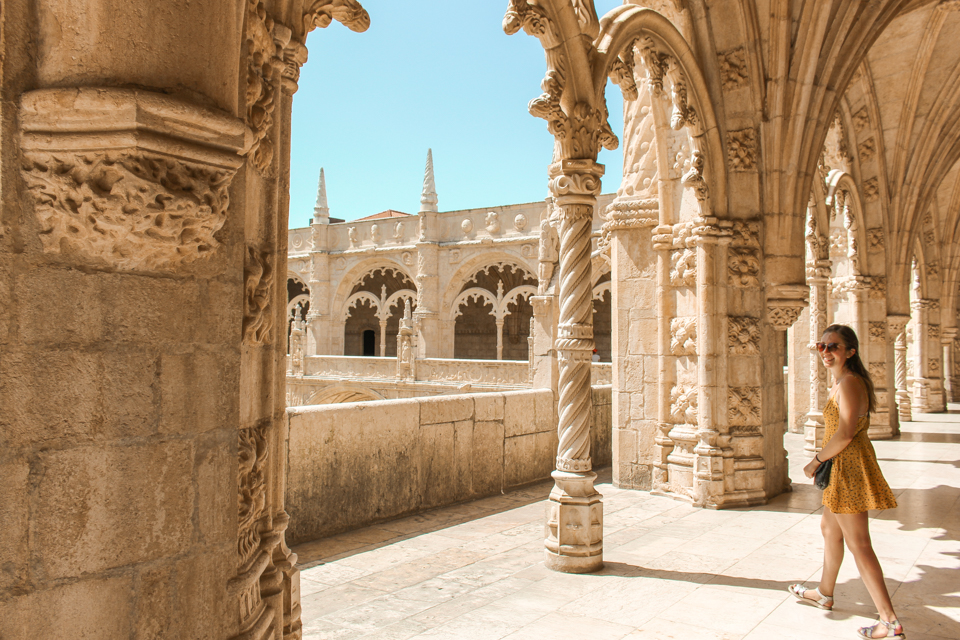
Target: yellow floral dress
(856, 483)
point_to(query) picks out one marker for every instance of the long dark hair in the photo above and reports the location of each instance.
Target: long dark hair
(854, 364)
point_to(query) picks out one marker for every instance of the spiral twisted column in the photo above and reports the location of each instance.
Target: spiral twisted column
(896, 329)
(574, 541)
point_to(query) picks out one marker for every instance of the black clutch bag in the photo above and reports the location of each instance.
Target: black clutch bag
(821, 477)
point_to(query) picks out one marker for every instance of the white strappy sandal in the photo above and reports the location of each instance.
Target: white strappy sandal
(825, 602)
(867, 632)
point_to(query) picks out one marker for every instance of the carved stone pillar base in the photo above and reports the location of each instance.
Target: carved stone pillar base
(813, 430)
(904, 409)
(574, 531)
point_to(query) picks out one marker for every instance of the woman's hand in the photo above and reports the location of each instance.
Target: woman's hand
(811, 468)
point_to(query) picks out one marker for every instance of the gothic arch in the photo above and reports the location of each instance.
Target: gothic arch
(481, 262)
(356, 274)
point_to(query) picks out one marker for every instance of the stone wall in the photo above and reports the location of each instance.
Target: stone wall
(350, 465)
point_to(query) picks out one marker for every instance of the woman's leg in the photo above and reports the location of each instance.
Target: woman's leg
(857, 536)
(832, 551)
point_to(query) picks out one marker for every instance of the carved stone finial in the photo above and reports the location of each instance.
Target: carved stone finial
(321, 211)
(428, 198)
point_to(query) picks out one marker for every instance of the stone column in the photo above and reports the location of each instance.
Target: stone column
(574, 541)
(897, 327)
(713, 439)
(948, 338)
(814, 426)
(928, 385)
(634, 345)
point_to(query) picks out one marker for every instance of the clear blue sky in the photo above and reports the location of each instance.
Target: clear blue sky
(432, 74)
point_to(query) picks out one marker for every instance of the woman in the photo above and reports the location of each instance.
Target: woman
(856, 484)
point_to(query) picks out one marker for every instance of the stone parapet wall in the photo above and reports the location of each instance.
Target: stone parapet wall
(351, 465)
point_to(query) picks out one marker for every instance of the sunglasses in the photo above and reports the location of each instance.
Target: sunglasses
(829, 347)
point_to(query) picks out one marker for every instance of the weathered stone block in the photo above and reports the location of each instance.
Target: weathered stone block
(488, 406)
(216, 465)
(488, 457)
(446, 409)
(463, 467)
(438, 474)
(128, 393)
(14, 495)
(190, 393)
(109, 507)
(48, 396)
(519, 417)
(545, 405)
(138, 309)
(85, 610)
(79, 306)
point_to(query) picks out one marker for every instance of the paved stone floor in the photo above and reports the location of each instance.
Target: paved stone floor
(475, 571)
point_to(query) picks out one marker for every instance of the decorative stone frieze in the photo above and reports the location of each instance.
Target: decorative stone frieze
(933, 331)
(878, 332)
(733, 69)
(742, 150)
(743, 336)
(127, 179)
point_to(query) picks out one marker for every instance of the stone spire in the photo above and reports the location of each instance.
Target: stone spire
(321, 210)
(428, 199)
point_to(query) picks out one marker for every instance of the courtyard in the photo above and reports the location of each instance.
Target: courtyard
(671, 571)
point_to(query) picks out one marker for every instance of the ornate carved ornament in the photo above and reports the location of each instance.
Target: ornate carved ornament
(878, 332)
(265, 44)
(878, 372)
(743, 407)
(929, 304)
(785, 303)
(896, 325)
(874, 286)
(251, 484)
(258, 293)
(742, 150)
(630, 214)
(861, 119)
(733, 69)
(743, 336)
(867, 149)
(871, 190)
(683, 336)
(683, 268)
(318, 14)
(743, 268)
(875, 239)
(683, 405)
(933, 331)
(127, 179)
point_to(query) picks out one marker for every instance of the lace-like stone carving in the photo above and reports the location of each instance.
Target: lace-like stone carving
(683, 340)
(743, 407)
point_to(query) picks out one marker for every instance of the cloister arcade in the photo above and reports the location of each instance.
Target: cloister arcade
(786, 165)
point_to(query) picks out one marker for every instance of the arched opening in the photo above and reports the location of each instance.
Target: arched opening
(492, 314)
(369, 343)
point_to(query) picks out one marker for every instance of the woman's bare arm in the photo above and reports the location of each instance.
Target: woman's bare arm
(851, 403)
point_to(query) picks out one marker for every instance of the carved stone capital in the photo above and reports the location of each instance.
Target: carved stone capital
(896, 324)
(785, 304)
(575, 181)
(925, 304)
(949, 334)
(128, 179)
